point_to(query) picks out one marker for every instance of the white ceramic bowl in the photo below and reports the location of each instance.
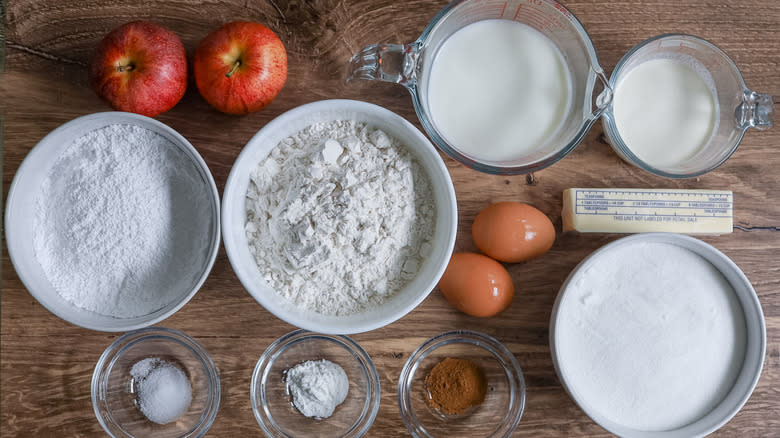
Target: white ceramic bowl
(234, 215)
(755, 335)
(20, 209)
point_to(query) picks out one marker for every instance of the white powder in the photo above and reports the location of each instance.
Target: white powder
(339, 217)
(651, 337)
(317, 387)
(122, 222)
(164, 391)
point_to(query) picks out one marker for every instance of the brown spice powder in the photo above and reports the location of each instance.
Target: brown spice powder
(454, 385)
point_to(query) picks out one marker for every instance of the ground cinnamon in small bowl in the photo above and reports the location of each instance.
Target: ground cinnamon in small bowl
(455, 385)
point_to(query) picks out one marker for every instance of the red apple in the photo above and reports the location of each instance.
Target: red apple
(140, 67)
(240, 67)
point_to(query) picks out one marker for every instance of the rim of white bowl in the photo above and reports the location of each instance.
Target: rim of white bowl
(755, 350)
(232, 246)
(200, 164)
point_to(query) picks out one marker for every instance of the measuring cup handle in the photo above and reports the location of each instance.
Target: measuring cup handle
(385, 62)
(757, 110)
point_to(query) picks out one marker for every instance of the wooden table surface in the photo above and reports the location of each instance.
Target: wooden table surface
(47, 364)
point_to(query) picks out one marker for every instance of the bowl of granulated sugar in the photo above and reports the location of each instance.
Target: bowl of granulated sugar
(658, 335)
(339, 217)
(112, 221)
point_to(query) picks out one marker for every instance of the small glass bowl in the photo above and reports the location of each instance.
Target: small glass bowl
(113, 388)
(273, 406)
(500, 413)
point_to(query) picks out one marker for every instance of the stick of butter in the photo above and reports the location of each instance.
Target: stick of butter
(646, 210)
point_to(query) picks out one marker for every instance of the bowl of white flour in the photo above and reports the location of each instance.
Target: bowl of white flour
(112, 221)
(658, 335)
(339, 217)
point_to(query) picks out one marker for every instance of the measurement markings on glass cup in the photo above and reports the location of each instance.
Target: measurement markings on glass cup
(648, 205)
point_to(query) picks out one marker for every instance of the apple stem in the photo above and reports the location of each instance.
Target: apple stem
(123, 68)
(233, 70)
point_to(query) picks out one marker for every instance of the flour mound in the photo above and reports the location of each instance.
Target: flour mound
(339, 217)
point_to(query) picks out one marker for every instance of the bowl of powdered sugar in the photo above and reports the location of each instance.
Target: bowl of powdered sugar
(112, 221)
(339, 216)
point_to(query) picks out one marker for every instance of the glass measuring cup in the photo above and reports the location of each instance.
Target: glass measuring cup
(410, 65)
(737, 107)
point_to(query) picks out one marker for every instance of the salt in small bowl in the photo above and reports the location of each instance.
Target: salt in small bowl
(114, 390)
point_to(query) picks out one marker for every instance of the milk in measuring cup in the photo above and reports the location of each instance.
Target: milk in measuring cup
(498, 89)
(664, 111)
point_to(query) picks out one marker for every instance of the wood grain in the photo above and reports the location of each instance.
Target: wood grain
(46, 364)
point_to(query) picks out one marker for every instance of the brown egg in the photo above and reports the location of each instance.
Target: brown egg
(476, 284)
(512, 232)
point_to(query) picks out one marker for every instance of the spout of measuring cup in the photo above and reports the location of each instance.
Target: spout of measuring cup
(600, 99)
(385, 62)
(757, 110)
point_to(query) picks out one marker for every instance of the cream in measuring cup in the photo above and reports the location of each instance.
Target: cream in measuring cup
(502, 86)
(498, 90)
(680, 106)
(665, 111)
